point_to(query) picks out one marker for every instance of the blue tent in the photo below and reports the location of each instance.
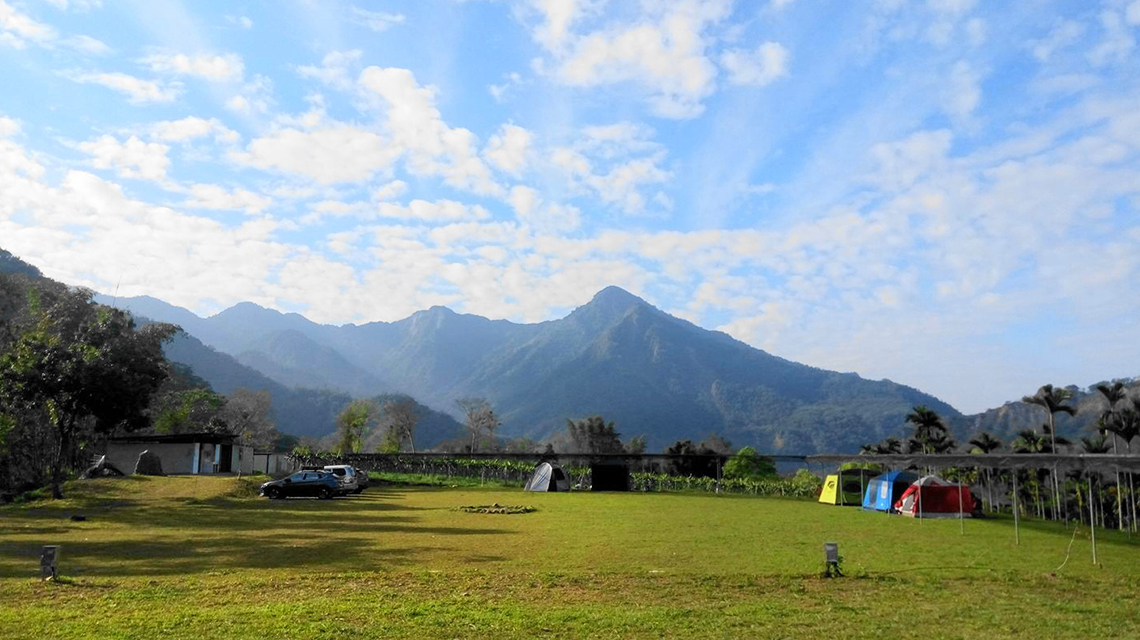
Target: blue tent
(882, 491)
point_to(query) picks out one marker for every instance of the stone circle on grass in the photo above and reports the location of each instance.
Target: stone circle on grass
(496, 508)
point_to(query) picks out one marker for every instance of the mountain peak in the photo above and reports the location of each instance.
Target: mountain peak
(614, 295)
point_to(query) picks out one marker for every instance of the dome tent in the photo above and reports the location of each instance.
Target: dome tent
(548, 476)
(933, 497)
(885, 489)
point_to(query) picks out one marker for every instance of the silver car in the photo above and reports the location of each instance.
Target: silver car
(346, 476)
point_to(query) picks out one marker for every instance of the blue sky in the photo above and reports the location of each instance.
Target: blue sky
(944, 193)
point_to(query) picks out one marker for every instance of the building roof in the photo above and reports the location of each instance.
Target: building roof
(176, 438)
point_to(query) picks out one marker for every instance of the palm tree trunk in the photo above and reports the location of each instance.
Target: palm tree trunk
(1119, 502)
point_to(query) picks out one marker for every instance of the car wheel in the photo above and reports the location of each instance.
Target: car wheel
(273, 493)
(325, 494)
(359, 490)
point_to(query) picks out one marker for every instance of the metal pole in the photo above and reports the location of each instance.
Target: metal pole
(1092, 518)
(1016, 530)
(961, 519)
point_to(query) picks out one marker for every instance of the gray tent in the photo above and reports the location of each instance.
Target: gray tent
(548, 476)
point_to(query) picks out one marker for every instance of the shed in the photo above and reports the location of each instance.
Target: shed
(184, 453)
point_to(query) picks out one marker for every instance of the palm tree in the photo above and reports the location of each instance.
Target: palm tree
(1113, 395)
(1127, 428)
(1053, 401)
(986, 442)
(928, 428)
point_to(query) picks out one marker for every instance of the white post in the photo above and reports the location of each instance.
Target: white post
(1016, 531)
(197, 455)
(961, 519)
(1092, 518)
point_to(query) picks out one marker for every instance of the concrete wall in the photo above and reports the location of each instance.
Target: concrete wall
(177, 457)
(273, 463)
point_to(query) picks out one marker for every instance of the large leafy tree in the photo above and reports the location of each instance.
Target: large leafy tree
(594, 435)
(81, 369)
(354, 422)
(748, 463)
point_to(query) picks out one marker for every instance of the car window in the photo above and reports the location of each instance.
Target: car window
(297, 477)
(339, 472)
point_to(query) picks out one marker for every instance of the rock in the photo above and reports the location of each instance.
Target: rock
(101, 469)
(149, 464)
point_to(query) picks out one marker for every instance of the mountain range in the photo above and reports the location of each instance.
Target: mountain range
(616, 356)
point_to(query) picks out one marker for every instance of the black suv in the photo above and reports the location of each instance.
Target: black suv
(319, 484)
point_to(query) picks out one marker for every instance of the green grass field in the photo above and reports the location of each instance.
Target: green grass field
(197, 557)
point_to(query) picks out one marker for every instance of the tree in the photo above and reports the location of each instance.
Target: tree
(81, 369)
(748, 463)
(691, 460)
(246, 414)
(636, 445)
(354, 422)
(1113, 395)
(479, 416)
(985, 442)
(594, 435)
(1053, 401)
(189, 411)
(929, 431)
(401, 417)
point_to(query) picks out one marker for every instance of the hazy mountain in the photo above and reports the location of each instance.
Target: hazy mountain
(296, 411)
(11, 264)
(1005, 421)
(616, 356)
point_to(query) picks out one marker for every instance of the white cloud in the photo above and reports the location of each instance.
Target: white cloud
(8, 127)
(508, 149)
(340, 154)
(663, 51)
(377, 21)
(432, 211)
(78, 5)
(131, 159)
(390, 190)
(500, 91)
(254, 98)
(613, 162)
(220, 68)
(1132, 13)
(212, 196)
(1065, 33)
(963, 91)
(138, 91)
(240, 21)
(416, 125)
(559, 16)
(20, 28)
(546, 218)
(334, 69)
(192, 127)
(1118, 41)
(765, 65)
(88, 45)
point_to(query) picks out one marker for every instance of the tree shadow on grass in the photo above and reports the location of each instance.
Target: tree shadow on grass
(141, 557)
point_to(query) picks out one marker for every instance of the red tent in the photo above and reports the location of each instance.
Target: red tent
(933, 497)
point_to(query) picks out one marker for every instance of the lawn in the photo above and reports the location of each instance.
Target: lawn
(198, 557)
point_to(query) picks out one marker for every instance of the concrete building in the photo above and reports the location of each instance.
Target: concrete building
(183, 453)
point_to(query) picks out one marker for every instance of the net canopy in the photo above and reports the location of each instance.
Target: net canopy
(1066, 462)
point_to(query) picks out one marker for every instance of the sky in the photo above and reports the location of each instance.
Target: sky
(945, 193)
